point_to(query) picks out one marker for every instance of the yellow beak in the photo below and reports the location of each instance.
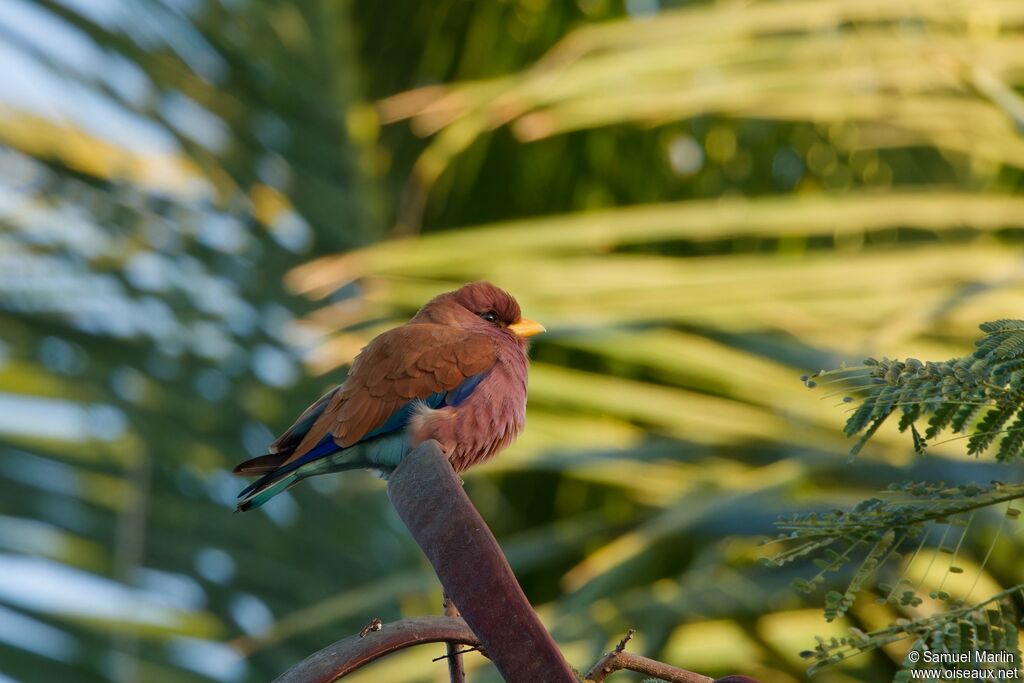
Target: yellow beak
(525, 327)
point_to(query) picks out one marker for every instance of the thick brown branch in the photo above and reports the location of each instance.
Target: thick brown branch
(345, 656)
(496, 616)
(472, 568)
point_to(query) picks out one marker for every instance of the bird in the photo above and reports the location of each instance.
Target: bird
(456, 372)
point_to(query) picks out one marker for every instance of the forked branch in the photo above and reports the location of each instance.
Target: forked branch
(496, 616)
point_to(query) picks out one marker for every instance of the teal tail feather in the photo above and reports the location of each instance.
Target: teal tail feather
(261, 495)
(384, 453)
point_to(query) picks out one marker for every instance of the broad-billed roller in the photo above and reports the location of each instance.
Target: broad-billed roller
(456, 373)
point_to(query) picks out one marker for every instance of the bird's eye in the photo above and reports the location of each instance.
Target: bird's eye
(489, 316)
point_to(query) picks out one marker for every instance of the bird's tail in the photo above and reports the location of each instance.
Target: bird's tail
(383, 453)
(264, 464)
(276, 476)
(263, 490)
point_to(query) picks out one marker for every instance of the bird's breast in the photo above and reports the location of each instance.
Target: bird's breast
(482, 425)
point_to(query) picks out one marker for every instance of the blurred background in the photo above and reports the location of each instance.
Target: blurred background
(208, 206)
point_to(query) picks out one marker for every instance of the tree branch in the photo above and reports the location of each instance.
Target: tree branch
(456, 668)
(472, 568)
(619, 659)
(496, 616)
(345, 656)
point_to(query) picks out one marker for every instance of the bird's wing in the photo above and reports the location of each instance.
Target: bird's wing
(410, 362)
(291, 438)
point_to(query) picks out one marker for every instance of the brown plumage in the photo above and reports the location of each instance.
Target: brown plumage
(456, 372)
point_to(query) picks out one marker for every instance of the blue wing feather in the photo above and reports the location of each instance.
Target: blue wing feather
(460, 393)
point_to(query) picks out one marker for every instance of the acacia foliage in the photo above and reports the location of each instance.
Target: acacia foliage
(875, 545)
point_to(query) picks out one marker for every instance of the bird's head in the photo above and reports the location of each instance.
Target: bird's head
(480, 306)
